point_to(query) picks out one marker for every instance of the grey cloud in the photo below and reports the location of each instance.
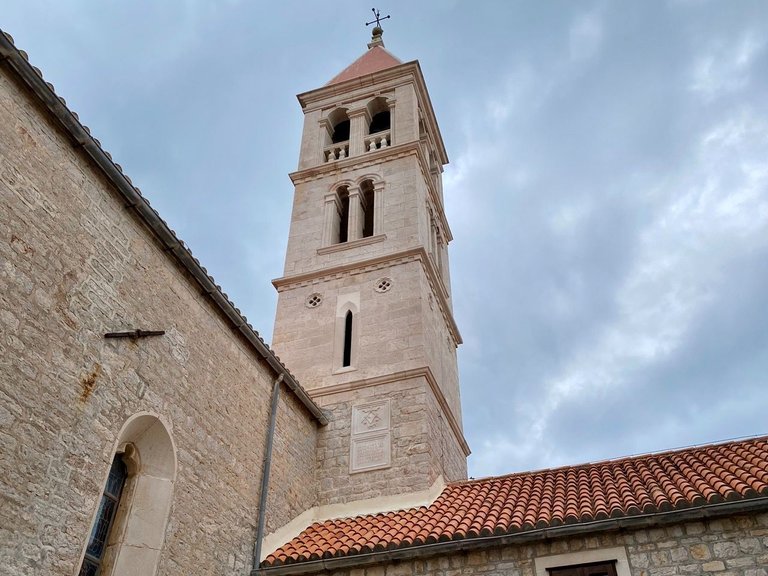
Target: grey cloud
(607, 188)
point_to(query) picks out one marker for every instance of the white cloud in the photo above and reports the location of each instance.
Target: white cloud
(716, 209)
(585, 36)
(727, 66)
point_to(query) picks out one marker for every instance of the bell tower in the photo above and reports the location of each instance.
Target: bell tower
(364, 316)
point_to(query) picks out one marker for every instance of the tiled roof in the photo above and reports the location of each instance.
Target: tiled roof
(375, 59)
(503, 505)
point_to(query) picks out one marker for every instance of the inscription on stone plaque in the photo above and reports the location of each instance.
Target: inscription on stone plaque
(370, 453)
(371, 443)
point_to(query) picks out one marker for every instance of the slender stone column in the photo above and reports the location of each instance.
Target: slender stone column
(355, 229)
(323, 139)
(358, 128)
(331, 210)
(392, 136)
(378, 208)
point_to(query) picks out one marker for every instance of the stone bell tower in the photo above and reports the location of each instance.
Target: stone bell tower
(364, 316)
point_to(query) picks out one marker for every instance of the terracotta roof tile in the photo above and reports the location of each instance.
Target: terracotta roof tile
(548, 498)
(374, 60)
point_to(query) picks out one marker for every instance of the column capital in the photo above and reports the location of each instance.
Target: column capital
(358, 112)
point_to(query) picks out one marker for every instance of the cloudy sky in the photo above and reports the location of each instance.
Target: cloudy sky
(607, 191)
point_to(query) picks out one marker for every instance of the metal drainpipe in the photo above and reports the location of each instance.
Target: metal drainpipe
(265, 474)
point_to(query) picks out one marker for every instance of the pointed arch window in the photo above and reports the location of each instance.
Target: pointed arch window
(110, 500)
(128, 528)
(347, 352)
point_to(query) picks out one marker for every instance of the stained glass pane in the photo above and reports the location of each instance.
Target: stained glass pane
(89, 568)
(97, 543)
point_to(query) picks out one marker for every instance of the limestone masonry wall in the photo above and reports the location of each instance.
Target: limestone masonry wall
(411, 449)
(389, 327)
(75, 264)
(731, 546)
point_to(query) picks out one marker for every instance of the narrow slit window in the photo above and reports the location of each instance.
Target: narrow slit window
(347, 354)
(110, 499)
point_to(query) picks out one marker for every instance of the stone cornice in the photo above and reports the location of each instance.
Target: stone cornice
(371, 264)
(423, 372)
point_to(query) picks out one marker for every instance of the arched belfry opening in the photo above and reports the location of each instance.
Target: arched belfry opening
(378, 110)
(339, 124)
(367, 200)
(342, 192)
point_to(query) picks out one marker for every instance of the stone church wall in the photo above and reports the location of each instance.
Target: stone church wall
(447, 456)
(75, 264)
(730, 546)
(411, 453)
(438, 348)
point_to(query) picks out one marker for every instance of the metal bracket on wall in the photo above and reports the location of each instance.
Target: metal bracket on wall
(134, 334)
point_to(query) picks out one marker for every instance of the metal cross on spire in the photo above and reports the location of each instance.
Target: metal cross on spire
(378, 19)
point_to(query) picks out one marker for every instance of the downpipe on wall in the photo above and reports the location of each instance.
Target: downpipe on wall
(265, 474)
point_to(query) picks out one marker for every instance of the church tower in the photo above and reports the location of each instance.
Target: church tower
(364, 316)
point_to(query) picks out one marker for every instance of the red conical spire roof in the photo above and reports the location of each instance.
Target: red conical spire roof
(377, 58)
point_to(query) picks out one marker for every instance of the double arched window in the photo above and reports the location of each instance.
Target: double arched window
(357, 130)
(351, 212)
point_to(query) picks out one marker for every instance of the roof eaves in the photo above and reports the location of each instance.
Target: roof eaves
(707, 511)
(17, 61)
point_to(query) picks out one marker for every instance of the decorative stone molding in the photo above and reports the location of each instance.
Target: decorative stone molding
(382, 285)
(350, 244)
(313, 300)
(380, 263)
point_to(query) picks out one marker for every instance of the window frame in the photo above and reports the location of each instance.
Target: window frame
(617, 555)
(105, 523)
(609, 566)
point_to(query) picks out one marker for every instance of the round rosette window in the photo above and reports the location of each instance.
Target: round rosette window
(314, 300)
(383, 285)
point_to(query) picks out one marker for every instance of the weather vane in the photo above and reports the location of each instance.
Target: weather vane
(378, 19)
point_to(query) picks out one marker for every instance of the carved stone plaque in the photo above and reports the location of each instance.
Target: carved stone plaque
(371, 442)
(370, 417)
(370, 453)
